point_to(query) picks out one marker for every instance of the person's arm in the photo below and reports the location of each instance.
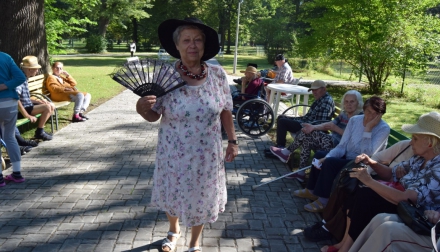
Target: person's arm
(228, 125)
(18, 76)
(390, 194)
(53, 85)
(25, 113)
(383, 171)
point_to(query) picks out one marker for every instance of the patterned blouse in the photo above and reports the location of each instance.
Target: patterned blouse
(285, 74)
(426, 181)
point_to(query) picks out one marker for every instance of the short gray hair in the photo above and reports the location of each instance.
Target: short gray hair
(176, 33)
(359, 99)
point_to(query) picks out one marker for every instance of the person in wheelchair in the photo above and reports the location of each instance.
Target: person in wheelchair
(250, 85)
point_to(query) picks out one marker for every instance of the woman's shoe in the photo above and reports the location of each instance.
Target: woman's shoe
(305, 193)
(193, 249)
(168, 243)
(77, 118)
(314, 207)
(83, 116)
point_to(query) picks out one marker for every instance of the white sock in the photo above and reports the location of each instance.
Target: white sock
(285, 151)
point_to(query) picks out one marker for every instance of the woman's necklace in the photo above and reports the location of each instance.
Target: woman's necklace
(188, 73)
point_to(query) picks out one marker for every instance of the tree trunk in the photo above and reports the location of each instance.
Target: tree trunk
(135, 31)
(103, 25)
(23, 31)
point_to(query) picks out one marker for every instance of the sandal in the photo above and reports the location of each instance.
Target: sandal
(305, 193)
(168, 243)
(195, 249)
(314, 207)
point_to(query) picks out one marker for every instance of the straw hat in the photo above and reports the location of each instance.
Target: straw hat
(428, 124)
(30, 62)
(167, 28)
(250, 69)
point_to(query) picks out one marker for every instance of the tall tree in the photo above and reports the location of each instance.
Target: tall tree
(373, 35)
(22, 30)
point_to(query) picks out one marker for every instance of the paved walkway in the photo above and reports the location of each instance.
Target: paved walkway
(89, 189)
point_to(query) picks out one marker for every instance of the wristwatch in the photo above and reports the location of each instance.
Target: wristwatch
(233, 142)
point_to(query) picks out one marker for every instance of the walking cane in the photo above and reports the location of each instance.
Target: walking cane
(285, 175)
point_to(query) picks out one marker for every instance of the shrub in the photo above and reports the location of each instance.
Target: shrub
(96, 44)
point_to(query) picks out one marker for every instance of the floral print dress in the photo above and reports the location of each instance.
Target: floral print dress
(189, 177)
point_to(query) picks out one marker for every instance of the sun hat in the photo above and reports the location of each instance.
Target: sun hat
(167, 28)
(30, 62)
(317, 84)
(279, 57)
(428, 124)
(250, 69)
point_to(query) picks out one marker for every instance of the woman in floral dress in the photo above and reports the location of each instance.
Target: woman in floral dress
(189, 179)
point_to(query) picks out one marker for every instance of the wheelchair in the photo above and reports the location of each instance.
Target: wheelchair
(254, 116)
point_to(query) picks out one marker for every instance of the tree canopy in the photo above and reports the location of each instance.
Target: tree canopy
(378, 37)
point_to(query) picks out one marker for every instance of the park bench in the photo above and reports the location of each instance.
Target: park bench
(38, 91)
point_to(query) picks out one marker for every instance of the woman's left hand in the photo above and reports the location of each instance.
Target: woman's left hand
(231, 152)
(361, 174)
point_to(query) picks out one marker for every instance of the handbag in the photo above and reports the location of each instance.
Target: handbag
(414, 217)
(345, 182)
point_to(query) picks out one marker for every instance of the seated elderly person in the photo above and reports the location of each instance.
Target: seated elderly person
(250, 85)
(387, 232)
(322, 109)
(421, 183)
(62, 87)
(28, 107)
(366, 133)
(316, 137)
(333, 220)
(284, 73)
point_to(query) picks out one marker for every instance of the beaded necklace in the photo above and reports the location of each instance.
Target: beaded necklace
(188, 73)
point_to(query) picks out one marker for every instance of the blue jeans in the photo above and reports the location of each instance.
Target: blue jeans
(8, 118)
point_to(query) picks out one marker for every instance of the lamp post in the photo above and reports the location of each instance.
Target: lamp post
(236, 36)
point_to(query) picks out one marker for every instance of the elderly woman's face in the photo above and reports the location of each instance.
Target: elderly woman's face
(419, 144)
(350, 103)
(191, 44)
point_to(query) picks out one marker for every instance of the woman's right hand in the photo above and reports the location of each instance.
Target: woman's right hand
(144, 104)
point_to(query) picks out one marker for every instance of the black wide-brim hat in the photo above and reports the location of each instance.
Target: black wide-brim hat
(167, 28)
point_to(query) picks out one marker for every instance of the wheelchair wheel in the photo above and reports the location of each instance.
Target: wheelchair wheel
(255, 117)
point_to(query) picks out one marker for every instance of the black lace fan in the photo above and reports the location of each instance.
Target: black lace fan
(148, 77)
